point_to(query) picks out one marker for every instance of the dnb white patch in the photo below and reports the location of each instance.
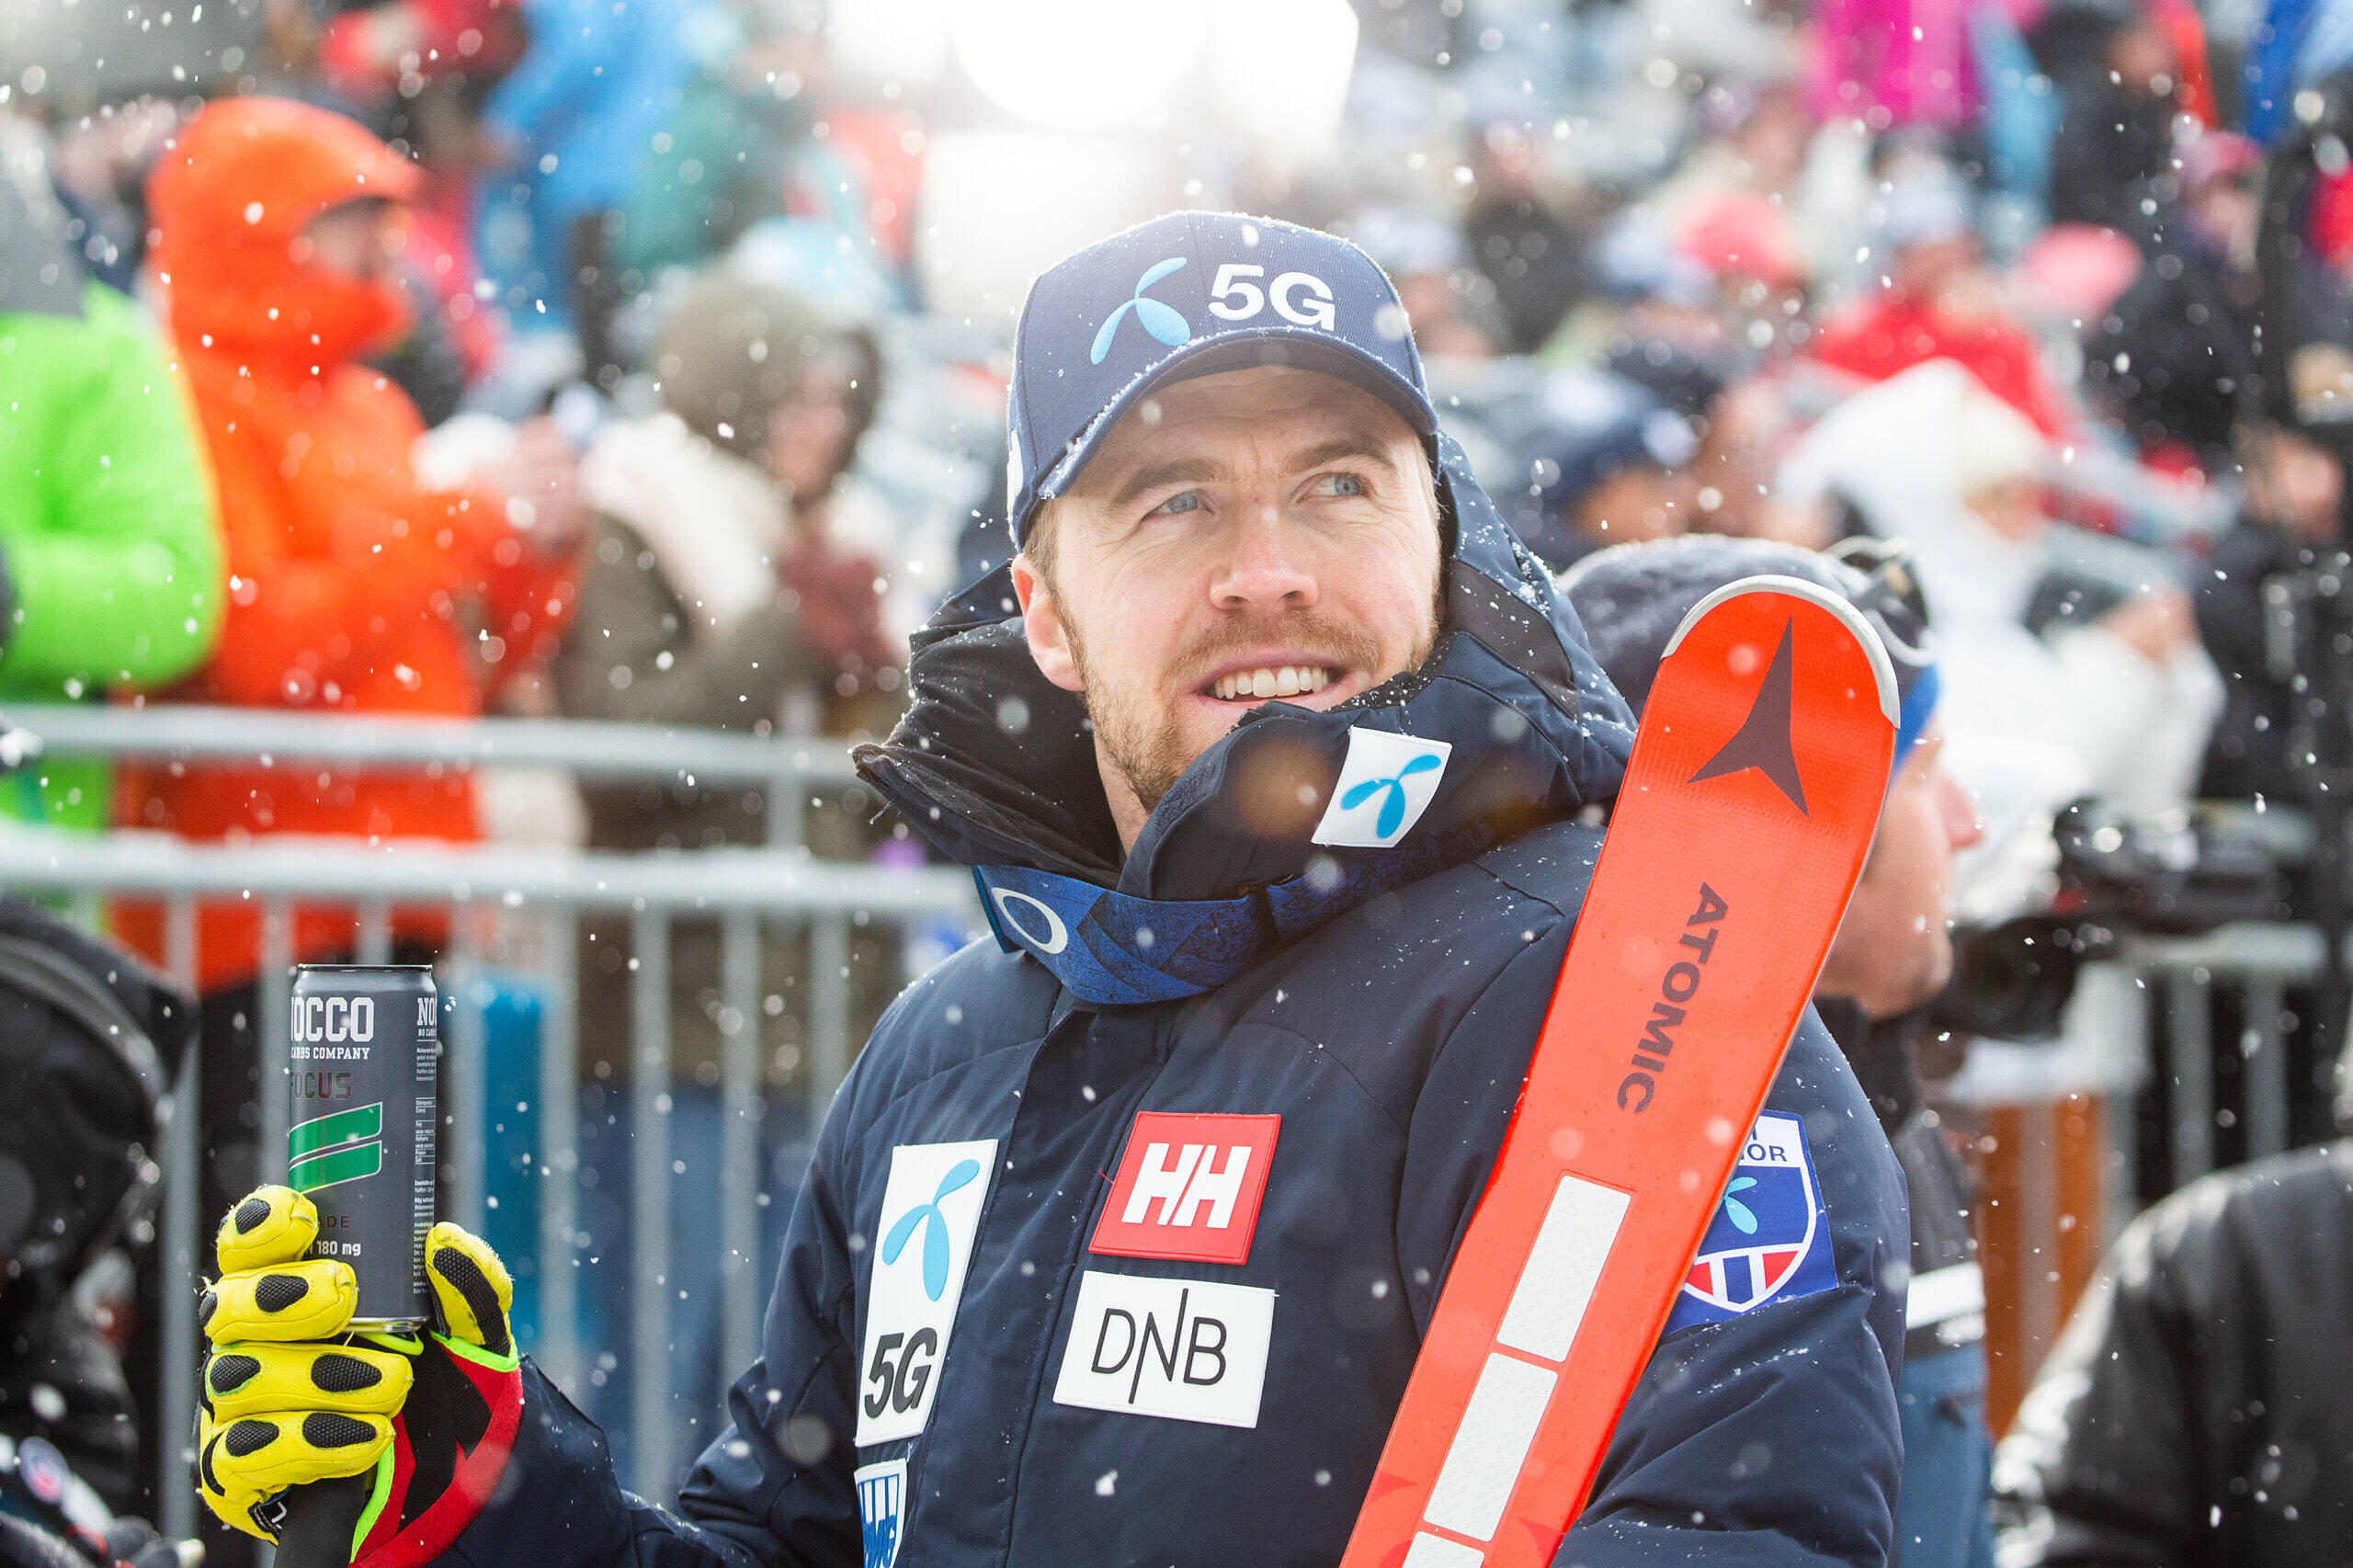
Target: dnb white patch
(931, 1207)
(881, 1509)
(1386, 785)
(1184, 1349)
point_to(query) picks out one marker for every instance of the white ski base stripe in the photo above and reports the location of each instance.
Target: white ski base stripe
(1482, 1464)
(1436, 1551)
(1556, 1284)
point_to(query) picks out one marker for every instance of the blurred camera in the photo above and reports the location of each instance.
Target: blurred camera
(2118, 873)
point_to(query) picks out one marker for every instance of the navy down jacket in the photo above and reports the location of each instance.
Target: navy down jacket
(1121, 1238)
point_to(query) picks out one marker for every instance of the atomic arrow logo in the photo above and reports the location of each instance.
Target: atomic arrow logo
(1762, 742)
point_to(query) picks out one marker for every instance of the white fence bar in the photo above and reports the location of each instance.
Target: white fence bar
(829, 1047)
(2191, 1066)
(2263, 1058)
(182, 1248)
(558, 1150)
(649, 1129)
(740, 1176)
(375, 932)
(274, 995)
(167, 733)
(429, 871)
(463, 1073)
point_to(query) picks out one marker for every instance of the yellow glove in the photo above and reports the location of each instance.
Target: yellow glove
(289, 1395)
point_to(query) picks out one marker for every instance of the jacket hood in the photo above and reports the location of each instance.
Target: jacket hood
(734, 348)
(715, 524)
(233, 193)
(994, 765)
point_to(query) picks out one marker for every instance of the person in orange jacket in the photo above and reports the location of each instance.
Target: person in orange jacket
(353, 586)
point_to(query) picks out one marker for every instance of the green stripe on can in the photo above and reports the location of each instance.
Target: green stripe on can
(342, 1165)
(343, 1127)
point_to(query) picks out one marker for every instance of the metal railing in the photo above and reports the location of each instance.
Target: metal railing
(544, 893)
(2260, 961)
(787, 765)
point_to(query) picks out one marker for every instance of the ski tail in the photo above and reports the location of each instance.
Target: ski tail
(1747, 809)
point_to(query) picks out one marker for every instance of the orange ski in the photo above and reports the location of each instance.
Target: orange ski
(1749, 803)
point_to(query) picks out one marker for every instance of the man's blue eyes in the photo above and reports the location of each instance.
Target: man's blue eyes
(1332, 484)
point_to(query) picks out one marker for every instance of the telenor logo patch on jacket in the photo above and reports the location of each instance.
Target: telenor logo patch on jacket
(1188, 1187)
(1386, 785)
(931, 1207)
(1771, 1238)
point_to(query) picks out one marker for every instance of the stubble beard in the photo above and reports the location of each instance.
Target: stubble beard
(1142, 735)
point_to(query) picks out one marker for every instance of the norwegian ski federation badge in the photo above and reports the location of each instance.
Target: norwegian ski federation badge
(881, 1509)
(1769, 1239)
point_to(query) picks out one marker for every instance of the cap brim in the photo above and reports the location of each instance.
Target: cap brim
(1301, 346)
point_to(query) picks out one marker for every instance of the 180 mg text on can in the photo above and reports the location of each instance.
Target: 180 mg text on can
(360, 1142)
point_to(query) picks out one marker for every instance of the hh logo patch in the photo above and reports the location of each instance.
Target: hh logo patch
(881, 1509)
(1384, 787)
(1188, 1187)
(931, 1206)
(1186, 1349)
(1770, 1239)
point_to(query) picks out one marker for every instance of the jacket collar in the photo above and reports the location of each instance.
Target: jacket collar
(994, 765)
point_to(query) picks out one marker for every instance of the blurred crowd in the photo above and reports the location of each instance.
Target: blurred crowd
(644, 362)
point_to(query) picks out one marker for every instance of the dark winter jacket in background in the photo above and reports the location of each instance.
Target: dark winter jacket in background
(2198, 1411)
(974, 1355)
(2175, 351)
(2247, 757)
(2113, 145)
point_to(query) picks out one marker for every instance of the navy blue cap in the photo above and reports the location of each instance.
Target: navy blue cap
(1192, 294)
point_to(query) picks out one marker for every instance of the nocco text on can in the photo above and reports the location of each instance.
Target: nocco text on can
(360, 1142)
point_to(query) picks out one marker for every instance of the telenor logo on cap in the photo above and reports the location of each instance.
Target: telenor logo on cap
(1164, 321)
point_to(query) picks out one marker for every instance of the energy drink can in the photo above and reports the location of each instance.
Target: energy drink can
(361, 1140)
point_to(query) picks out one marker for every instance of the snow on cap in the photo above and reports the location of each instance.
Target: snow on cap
(1192, 294)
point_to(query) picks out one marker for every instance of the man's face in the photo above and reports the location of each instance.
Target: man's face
(1894, 948)
(1262, 533)
(356, 240)
(1638, 504)
(2228, 212)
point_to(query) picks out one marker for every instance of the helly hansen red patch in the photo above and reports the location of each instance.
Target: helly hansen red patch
(1188, 1187)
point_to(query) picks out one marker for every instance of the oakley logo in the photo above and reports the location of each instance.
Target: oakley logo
(1160, 319)
(935, 1229)
(1057, 935)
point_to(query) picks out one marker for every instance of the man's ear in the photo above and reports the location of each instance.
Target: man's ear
(1041, 625)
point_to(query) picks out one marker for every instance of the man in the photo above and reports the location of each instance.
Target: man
(1893, 954)
(1120, 1241)
(2295, 490)
(1607, 464)
(1938, 300)
(2199, 1408)
(2176, 353)
(110, 572)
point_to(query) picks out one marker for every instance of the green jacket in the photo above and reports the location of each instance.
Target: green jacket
(108, 533)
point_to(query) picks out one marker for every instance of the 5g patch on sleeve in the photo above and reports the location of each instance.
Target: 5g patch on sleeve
(1771, 1238)
(920, 1248)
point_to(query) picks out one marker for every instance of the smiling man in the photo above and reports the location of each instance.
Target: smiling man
(1271, 753)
